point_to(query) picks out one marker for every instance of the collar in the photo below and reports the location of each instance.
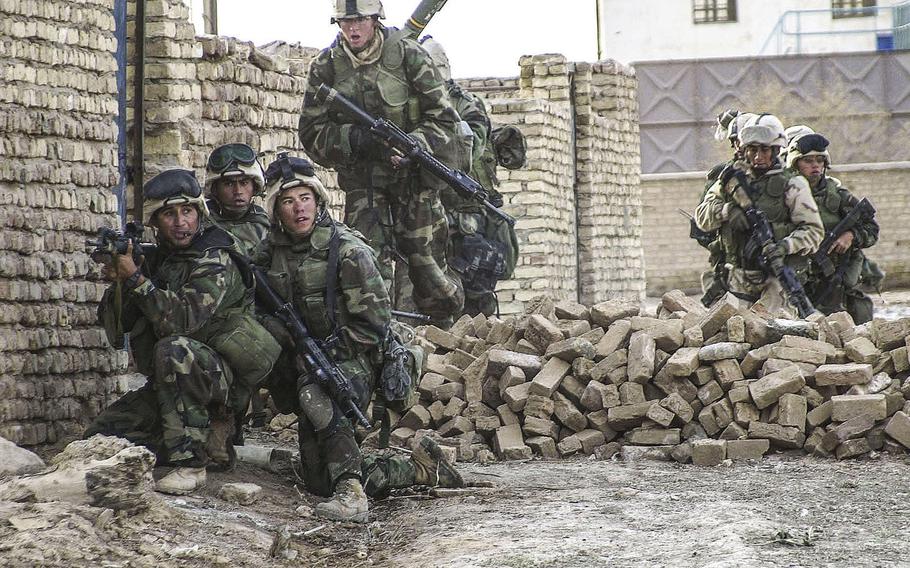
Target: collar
(369, 54)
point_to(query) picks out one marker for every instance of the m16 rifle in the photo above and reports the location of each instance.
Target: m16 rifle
(409, 148)
(863, 210)
(111, 242)
(321, 366)
(763, 235)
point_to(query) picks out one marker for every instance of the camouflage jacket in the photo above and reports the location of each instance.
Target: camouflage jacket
(473, 111)
(249, 230)
(197, 292)
(834, 202)
(403, 87)
(298, 270)
(785, 199)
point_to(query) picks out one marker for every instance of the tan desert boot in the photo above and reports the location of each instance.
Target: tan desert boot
(182, 480)
(349, 503)
(431, 467)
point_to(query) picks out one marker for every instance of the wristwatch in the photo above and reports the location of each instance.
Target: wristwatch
(132, 280)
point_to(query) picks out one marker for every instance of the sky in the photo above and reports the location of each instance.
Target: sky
(483, 38)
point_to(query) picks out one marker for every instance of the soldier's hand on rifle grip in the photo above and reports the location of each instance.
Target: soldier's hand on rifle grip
(842, 244)
(118, 268)
(774, 254)
(736, 217)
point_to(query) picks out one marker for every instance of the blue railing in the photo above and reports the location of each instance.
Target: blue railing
(791, 23)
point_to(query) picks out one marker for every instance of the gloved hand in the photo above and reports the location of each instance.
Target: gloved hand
(774, 253)
(736, 217)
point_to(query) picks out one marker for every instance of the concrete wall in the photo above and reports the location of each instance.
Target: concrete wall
(58, 139)
(673, 260)
(649, 30)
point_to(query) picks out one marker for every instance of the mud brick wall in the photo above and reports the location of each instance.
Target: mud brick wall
(58, 104)
(675, 261)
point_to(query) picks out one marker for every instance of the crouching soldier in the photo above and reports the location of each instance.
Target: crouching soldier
(783, 197)
(808, 155)
(188, 309)
(331, 276)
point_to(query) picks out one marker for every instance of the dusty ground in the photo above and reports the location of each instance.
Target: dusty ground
(783, 511)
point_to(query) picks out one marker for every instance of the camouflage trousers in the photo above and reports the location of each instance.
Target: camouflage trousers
(409, 221)
(170, 413)
(771, 297)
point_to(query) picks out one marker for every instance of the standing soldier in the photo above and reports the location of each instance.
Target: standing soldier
(189, 313)
(396, 207)
(484, 248)
(233, 176)
(783, 197)
(326, 271)
(808, 155)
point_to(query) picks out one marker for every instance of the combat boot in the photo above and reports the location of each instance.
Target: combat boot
(349, 503)
(431, 467)
(220, 443)
(182, 480)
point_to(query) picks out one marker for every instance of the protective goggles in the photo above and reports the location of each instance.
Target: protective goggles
(812, 143)
(286, 168)
(172, 183)
(223, 157)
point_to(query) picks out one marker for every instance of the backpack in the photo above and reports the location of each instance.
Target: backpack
(402, 366)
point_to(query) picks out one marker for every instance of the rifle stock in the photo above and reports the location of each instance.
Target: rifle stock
(410, 148)
(322, 367)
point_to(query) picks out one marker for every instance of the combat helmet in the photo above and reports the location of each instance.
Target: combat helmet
(171, 187)
(792, 132)
(356, 8)
(811, 144)
(233, 160)
(288, 172)
(438, 55)
(764, 129)
(722, 123)
(737, 124)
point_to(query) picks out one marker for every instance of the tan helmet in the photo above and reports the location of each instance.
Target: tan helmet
(233, 160)
(288, 172)
(764, 129)
(356, 9)
(736, 125)
(722, 123)
(793, 132)
(438, 55)
(171, 187)
(808, 144)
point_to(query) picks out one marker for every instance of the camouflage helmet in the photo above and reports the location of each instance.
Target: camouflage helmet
(792, 132)
(233, 160)
(737, 124)
(722, 123)
(356, 8)
(809, 144)
(764, 129)
(171, 187)
(438, 55)
(288, 172)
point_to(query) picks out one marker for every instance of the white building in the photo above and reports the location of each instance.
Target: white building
(647, 30)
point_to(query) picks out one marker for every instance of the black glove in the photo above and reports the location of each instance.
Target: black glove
(363, 144)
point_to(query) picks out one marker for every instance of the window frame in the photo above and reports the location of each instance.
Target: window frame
(703, 10)
(841, 9)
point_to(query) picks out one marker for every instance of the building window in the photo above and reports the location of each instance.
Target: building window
(709, 11)
(852, 8)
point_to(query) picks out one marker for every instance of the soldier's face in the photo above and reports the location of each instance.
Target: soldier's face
(811, 167)
(358, 32)
(759, 156)
(177, 224)
(235, 194)
(297, 208)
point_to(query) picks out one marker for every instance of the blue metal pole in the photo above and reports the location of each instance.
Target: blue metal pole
(120, 56)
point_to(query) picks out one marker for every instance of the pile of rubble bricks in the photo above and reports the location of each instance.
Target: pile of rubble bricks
(691, 384)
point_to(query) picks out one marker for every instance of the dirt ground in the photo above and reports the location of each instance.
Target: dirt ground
(784, 511)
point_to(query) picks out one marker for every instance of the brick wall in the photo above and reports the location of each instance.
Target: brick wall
(673, 260)
(58, 104)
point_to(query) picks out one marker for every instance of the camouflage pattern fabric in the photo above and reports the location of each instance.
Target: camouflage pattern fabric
(249, 230)
(786, 200)
(397, 210)
(297, 270)
(191, 299)
(834, 294)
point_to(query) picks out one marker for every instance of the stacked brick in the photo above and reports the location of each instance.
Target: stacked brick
(690, 384)
(58, 104)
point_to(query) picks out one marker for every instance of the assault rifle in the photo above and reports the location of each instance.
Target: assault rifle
(763, 235)
(863, 210)
(326, 372)
(422, 318)
(409, 148)
(111, 242)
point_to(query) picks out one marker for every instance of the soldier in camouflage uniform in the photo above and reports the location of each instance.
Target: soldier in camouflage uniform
(808, 155)
(189, 314)
(394, 206)
(233, 177)
(484, 249)
(786, 200)
(332, 278)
